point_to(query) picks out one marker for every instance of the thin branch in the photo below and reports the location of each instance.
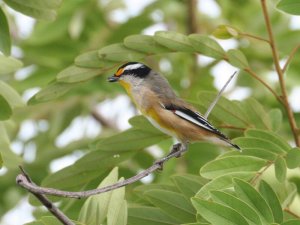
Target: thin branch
(255, 76)
(258, 174)
(232, 127)
(103, 121)
(45, 201)
(292, 213)
(212, 105)
(291, 56)
(33, 188)
(280, 73)
(254, 37)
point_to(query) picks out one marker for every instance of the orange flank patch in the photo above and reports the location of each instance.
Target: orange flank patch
(119, 72)
(159, 123)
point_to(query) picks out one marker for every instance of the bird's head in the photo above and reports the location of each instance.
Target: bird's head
(131, 73)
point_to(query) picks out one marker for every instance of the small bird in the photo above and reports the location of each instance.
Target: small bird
(156, 100)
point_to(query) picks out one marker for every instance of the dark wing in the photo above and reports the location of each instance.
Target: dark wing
(196, 119)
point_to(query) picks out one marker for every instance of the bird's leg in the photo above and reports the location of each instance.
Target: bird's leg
(176, 151)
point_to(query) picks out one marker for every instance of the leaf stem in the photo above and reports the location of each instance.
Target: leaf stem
(254, 75)
(291, 56)
(280, 73)
(254, 37)
(292, 213)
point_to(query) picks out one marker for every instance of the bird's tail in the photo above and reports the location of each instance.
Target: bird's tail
(231, 144)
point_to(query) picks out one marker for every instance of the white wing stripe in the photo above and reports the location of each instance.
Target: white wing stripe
(191, 119)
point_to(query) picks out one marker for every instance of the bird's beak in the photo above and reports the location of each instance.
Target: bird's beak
(113, 78)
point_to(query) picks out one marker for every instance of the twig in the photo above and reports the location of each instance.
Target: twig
(212, 105)
(258, 174)
(254, 37)
(44, 200)
(292, 213)
(254, 75)
(291, 56)
(280, 73)
(30, 186)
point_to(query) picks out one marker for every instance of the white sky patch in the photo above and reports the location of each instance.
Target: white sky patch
(80, 127)
(28, 130)
(65, 161)
(227, 44)
(17, 215)
(294, 99)
(156, 27)
(203, 60)
(295, 22)
(118, 110)
(222, 72)
(29, 93)
(209, 7)
(272, 77)
(23, 73)
(240, 93)
(24, 23)
(132, 8)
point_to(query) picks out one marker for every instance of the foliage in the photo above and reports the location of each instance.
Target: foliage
(69, 57)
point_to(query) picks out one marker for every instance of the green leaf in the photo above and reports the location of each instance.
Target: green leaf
(51, 92)
(256, 114)
(118, 52)
(251, 142)
(117, 208)
(293, 158)
(131, 139)
(96, 208)
(248, 194)
(91, 59)
(174, 41)
(289, 6)
(1, 161)
(272, 199)
(231, 164)
(235, 203)
(222, 183)
(40, 12)
(87, 168)
(148, 216)
(218, 214)
(229, 112)
(41, 4)
(237, 59)
(172, 203)
(11, 95)
(260, 153)
(188, 184)
(73, 74)
(9, 65)
(280, 169)
(225, 32)
(144, 43)
(10, 159)
(6, 110)
(276, 119)
(270, 136)
(207, 46)
(5, 42)
(291, 222)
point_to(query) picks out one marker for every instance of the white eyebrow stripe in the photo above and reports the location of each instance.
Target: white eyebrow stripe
(191, 119)
(133, 66)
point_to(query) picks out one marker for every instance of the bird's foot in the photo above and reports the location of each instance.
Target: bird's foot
(176, 151)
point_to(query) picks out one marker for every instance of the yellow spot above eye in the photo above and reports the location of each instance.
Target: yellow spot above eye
(119, 72)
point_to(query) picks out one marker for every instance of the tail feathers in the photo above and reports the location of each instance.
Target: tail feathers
(231, 144)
